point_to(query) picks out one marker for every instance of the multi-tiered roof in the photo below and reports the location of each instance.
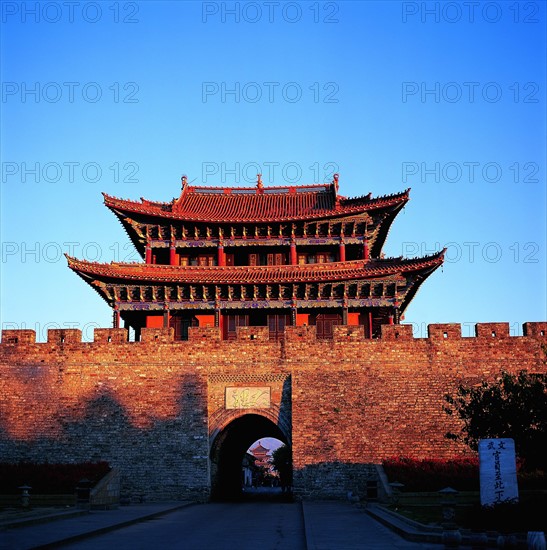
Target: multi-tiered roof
(298, 250)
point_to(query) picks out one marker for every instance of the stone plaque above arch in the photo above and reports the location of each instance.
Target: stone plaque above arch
(248, 397)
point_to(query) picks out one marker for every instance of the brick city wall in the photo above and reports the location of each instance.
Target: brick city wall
(153, 408)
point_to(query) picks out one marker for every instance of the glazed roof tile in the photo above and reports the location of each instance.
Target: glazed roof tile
(335, 271)
(249, 204)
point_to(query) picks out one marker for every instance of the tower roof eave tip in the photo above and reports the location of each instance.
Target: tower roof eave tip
(107, 199)
(70, 260)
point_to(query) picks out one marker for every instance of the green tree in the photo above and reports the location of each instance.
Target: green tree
(282, 462)
(513, 406)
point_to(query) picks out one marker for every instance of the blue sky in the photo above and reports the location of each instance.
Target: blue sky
(125, 97)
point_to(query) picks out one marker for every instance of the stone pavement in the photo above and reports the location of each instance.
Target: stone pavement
(62, 529)
(329, 525)
(335, 525)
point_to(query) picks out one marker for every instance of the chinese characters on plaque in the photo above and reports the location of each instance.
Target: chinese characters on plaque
(498, 471)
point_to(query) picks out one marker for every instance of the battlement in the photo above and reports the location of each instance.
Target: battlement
(344, 333)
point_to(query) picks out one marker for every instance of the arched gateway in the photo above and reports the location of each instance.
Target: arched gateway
(244, 408)
(229, 445)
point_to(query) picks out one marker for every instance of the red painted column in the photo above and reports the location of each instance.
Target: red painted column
(342, 251)
(370, 324)
(148, 254)
(391, 319)
(221, 256)
(172, 255)
(294, 260)
(366, 253)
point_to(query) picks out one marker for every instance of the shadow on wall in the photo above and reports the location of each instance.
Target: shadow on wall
(166, 459)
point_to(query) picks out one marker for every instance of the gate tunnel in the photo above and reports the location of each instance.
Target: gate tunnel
(228, 450)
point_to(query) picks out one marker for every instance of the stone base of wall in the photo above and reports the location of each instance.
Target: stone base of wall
(334, 480)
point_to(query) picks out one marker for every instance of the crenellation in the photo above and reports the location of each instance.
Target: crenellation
(110, 335)
(197, 334)
(342, 333)
(18, 336)
(492, 330)
(345, 333)
(253, 333)
(300, 334)
(444, 331)
(64, 336)
(160, 335)
(397, 332)
(535, 330)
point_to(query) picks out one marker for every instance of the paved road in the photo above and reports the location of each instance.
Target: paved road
(233, 526)
(327, 525)
(335, 525)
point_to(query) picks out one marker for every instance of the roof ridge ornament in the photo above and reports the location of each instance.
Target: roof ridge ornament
(184, 187)
(335, 187)
(259, 184)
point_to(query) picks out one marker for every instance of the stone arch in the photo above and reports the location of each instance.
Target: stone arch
(223, 417)
(231, 434)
